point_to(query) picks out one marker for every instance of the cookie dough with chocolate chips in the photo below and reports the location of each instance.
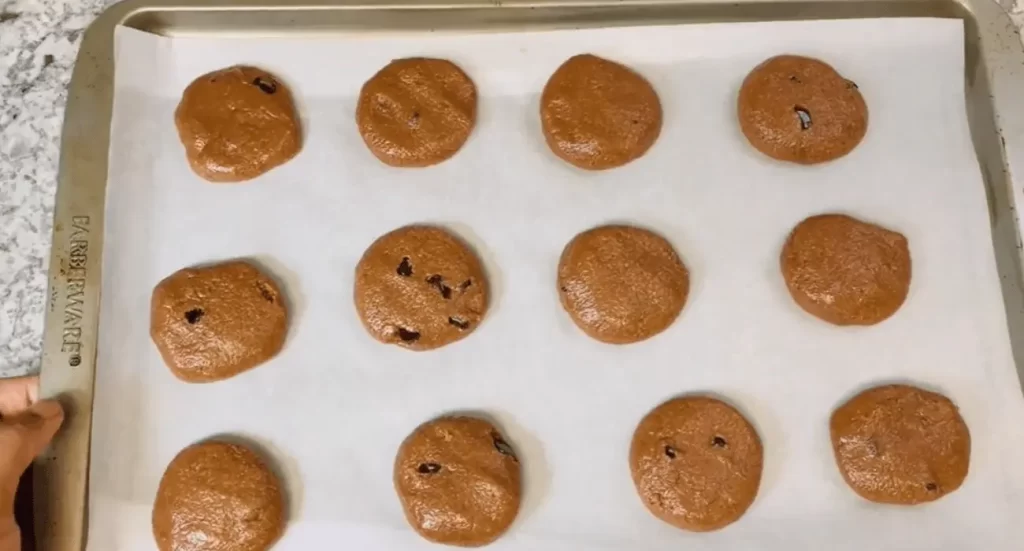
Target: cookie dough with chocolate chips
(900, 444)
(420, 287)
(597, 114)
(416, 112)
(800, 110)
(216, 496)
(696, 463)
(213, 322)
(846, 271)
(459, 481)
(237, 123)
(622, 284)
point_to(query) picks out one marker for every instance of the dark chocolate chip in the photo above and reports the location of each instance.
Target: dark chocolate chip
(465, 284)
(502, 446)
(564, 289)
(719, 442)
(194, 315)
(931, 486)
(670, 452)
(404, 268)
(804, 116)
(268, 86)
(438, 282)
(795, 79)
(429, 468)
(852, 84)
(461, 324)
(407, 335)
(415, 115)
(265, 292)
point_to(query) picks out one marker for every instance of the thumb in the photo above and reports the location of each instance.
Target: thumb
(24, 435)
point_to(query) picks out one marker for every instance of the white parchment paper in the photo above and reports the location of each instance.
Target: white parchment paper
(332, 409)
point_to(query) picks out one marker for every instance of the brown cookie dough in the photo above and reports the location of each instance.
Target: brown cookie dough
(237, 123)
(801, 110)
(845, 271)
(622, 284)
(214, 322)
(458, 480)
(416, 112)
(420, 287)
(598, 114)
(216, 496)
(696, 463)
(900, 444)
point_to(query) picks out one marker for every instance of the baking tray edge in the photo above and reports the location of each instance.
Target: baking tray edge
(995, 77)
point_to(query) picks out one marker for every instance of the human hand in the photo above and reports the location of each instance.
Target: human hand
(26, 427)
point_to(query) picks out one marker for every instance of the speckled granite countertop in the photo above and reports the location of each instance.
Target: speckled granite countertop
(38, 43)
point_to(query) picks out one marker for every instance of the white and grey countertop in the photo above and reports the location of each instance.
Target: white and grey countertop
(38, 43)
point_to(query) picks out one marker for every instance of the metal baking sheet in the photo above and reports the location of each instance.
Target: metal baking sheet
(993, 79)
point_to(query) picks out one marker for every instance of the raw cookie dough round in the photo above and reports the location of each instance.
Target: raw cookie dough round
(900, 444)
(216, 496)
(216, 321)
(458, 480)
(420, 287)
(237, 123)
(598, 114)
(416, 112)
(801, 110)
(846, 271)
(622, 284)
(696, 463)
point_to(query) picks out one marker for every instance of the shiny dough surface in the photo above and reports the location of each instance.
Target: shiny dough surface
(237, 123)
(213, 322)
(417, 112)
(420, 287)
(846, 271)
(622, 284)
(696, 463)
(459, 481)
(597, 114)
(799, 109)
(901, 444)
(218, 496)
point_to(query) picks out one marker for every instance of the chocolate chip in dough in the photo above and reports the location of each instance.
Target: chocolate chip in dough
(194, 315)
(429, 468)
(408, 335)
(804, 116)
(266, 84)
(404, 268)
(502, 446)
